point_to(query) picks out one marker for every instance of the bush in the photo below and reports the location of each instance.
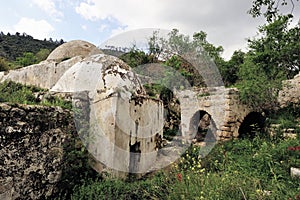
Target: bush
(17, 93)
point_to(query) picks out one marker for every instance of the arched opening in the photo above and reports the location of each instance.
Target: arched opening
(200, 125)
(252, 124)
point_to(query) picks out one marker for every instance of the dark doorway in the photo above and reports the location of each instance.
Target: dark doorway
(135, 155)
(200, 124)
(252, 125)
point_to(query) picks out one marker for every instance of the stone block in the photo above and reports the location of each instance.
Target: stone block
(295, 172)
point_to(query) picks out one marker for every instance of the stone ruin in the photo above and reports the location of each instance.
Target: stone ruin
(118, 123)
(124, 124)
(290, 92)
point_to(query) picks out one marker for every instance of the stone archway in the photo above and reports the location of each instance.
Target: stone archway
(200, 125)
(252, 124)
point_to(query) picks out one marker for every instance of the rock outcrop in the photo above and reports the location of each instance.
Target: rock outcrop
(32, 142)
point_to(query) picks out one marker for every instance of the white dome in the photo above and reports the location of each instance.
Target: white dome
(72, 49)
(99, 73)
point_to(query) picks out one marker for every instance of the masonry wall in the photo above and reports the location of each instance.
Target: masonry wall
(222, 104)
(31, 149)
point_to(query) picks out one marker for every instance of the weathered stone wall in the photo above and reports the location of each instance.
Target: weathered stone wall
(290, 92)
(222, 104)
(48, 72)
(44, 74)
(31, 149)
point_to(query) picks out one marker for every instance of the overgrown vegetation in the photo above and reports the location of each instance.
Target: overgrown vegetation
(18, 93)
(256, 167)
(239, 169)
(272, 58)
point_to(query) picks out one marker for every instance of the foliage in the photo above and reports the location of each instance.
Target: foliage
(18, 93)
(42, 54)
(256, 89)
(200, 40)
(116, 189)
(76, 169)
(187, 75)
(4, 66)
(239, 169)
(287, 117)
(270, 8)
(271, 59)
(27, 59)
(13, 46)
(278, 48)
(229, 70)
(135, 58)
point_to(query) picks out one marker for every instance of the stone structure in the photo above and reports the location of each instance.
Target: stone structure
(290, 92)
(119, 124)
(223, 106)
(48, 72)
(32, 140)
(122, 122)
(72, 49)
(120, 118)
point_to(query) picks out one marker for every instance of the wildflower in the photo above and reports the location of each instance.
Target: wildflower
(179, 177)
(258, 191)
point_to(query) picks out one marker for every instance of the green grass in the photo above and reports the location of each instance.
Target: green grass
(17, 93)
(256, 168)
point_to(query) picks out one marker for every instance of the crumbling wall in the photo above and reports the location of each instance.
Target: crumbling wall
(290, 92)
(222, 104)
(31, 149)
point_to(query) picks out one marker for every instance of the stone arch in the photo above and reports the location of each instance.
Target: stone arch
(252, 123)
(200, 125)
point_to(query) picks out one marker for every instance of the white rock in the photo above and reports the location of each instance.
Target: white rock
(295, 172)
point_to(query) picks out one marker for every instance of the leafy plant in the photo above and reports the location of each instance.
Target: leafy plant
(17, 93)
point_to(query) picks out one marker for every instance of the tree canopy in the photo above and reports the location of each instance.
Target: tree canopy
(272, 57)
(13, 46)
(271, 9)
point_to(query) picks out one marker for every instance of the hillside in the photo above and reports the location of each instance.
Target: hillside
(13, 46)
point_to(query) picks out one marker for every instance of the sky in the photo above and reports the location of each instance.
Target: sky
(226, 22)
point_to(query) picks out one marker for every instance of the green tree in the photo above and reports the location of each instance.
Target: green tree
(278, 50)
(200, 40)
(42, 54)
(229, 70)
(136, 57)
(270, 9)
(272, 58)
(4, 66)
(27, 59)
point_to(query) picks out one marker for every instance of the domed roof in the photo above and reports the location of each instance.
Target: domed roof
(72, 49)
(99, 73)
